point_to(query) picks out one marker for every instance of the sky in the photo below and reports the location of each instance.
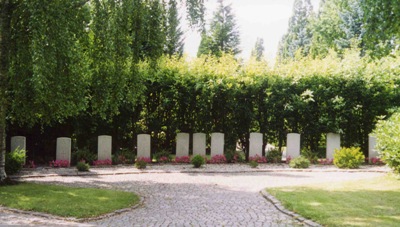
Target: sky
(267, 19)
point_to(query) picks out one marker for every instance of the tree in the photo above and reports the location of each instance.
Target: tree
(174, 42)
(57, 56)
(223, 35)
(338, 26)
(299, 35)
(381, 24)
(258, 50)
(43, 65)
(154, 30)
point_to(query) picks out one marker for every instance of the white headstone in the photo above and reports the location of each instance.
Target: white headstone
(18, 142)
(217, 143)
(104, 147)
(372, 152)
(256, 142)
(293, 145)
(143, 146)
(182, 144)
(199, 144)
(63, 151)
(332, 143)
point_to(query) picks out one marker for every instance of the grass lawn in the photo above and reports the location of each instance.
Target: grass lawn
(373, 202)
(65, 201)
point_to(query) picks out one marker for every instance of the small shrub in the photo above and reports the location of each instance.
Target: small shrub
(59, 163)
(106, 162)
(299, 163)
(163, 156)
(123, 156)
(141, 163)
(350, 157)
(198, 161)
(83, 154)
(82, 166)
(234, 156)
(311, 156)
(258, 159)
(387, 134)
(14, 161)
(253, 164)
(218, 159)
(274, 156)
(182, 159)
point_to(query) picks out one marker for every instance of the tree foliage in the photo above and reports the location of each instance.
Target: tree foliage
(299, 34)
(381, 25)
(258, 50)
(174, 41)
(342, 24)
(223, 35)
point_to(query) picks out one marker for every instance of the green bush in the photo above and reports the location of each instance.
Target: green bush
(163, 156)
(14, 161)
(274, 155)
(198, 161)
(350, 157)
(233, 156)
(83, 154)
(311, 156)
(299, 163)
(123, 156)
(141, 164)
(253, 164)
(387, 134)
(83, 166)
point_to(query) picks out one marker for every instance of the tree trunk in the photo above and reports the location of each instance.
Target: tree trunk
(3, 174)
(5, 16)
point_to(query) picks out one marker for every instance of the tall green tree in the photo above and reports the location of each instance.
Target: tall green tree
(299, 34)
(43, 62)
(154, 30)
(338, 26)
(174, 40)
(223, 35)
(381, 24)
(258, 50)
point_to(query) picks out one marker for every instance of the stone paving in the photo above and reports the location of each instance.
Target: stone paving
(179, 198)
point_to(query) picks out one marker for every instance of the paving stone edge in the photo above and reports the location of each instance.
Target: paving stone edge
(81, 220)
(278, 205)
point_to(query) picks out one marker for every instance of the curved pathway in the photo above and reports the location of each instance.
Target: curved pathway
(192, 199)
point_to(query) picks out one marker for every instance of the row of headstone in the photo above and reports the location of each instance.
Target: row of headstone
(182, 144)
(199, 144)
(63, 147)
(332, 143)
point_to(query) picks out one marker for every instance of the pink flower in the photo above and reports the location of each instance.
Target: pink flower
(258, 159)
(217, 159)
(59, 163)
(182, 159)
(163, 159)
(102, 162)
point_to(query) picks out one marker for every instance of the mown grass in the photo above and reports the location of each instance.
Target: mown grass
(374, 202)
(65, 201)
